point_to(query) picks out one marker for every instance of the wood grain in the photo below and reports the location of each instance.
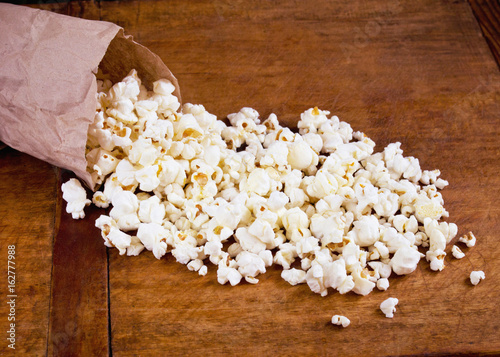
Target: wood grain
(400, 71)
(79, 294)
(418, 72)
(27, 220)
(487, 14)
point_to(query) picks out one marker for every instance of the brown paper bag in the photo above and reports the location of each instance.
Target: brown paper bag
(48, 84)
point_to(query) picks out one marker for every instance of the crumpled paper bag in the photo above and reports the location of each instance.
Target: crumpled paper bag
(48, 85)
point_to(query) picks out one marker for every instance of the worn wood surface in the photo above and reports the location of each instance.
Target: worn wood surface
(418, 72)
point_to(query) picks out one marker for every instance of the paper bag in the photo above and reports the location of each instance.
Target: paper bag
(48, 84)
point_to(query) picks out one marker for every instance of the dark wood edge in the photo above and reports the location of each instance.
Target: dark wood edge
(79, 299)
(487, 14)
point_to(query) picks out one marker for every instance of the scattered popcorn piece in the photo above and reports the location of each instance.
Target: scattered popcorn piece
(203, 270)
(383, 284)
(340, 320)
(469, 239)
(195, 265)
(76, 197)
(457, 252)
(476, 276)
(388, 307)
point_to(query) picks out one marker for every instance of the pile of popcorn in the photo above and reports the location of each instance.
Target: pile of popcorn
(319, 202)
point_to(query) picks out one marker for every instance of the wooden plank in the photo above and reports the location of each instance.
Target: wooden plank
(79, 294)
(414, 72)
(88, 9)
(487, 14)
(79, 324)
(27, 221)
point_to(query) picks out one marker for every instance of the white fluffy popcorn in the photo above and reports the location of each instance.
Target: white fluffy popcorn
(294, 276)
(457, 252)
(405, 260)
(340, 320)
(244, 196)
(476, 276)
(469, 240)
(383, 284)
(388, 307)
(76, 197)
(154, 238)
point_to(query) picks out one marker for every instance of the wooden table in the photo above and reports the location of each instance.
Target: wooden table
(418, 72)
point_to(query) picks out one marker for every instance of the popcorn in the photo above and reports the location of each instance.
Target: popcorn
(105, 224)
(125, 173)
(248, 241)
(263, 229)
(226, 274)
(146, 109)
(75, 197)
(457, 252)
(314, 141)
(469, 239)
(328, 227)
(294, 276)
(250, 264)
(301, 156)
(307, 245)
(121, 136)
(147, 179)
(383, 284)
(124, 211)
(362, 284)
(388, 307)
(163, 87)
(286, 255)
(314, 279)
(104, 162)
(382, 269)
(186, 250)
(436, 259)
(154, 238)
(335, 274)
(119, 240)
(136, 247)
(187, 126)
(203, 270)
(476, 276)
(195, 265)
(276, 155)
(365, 231)
(323, 184)
(405, 260)
(295, 221)
(340, 320)
(248, 195)
(427, 208)
(258, 181)
(267, 257)
(311, 120)
(151, 210)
